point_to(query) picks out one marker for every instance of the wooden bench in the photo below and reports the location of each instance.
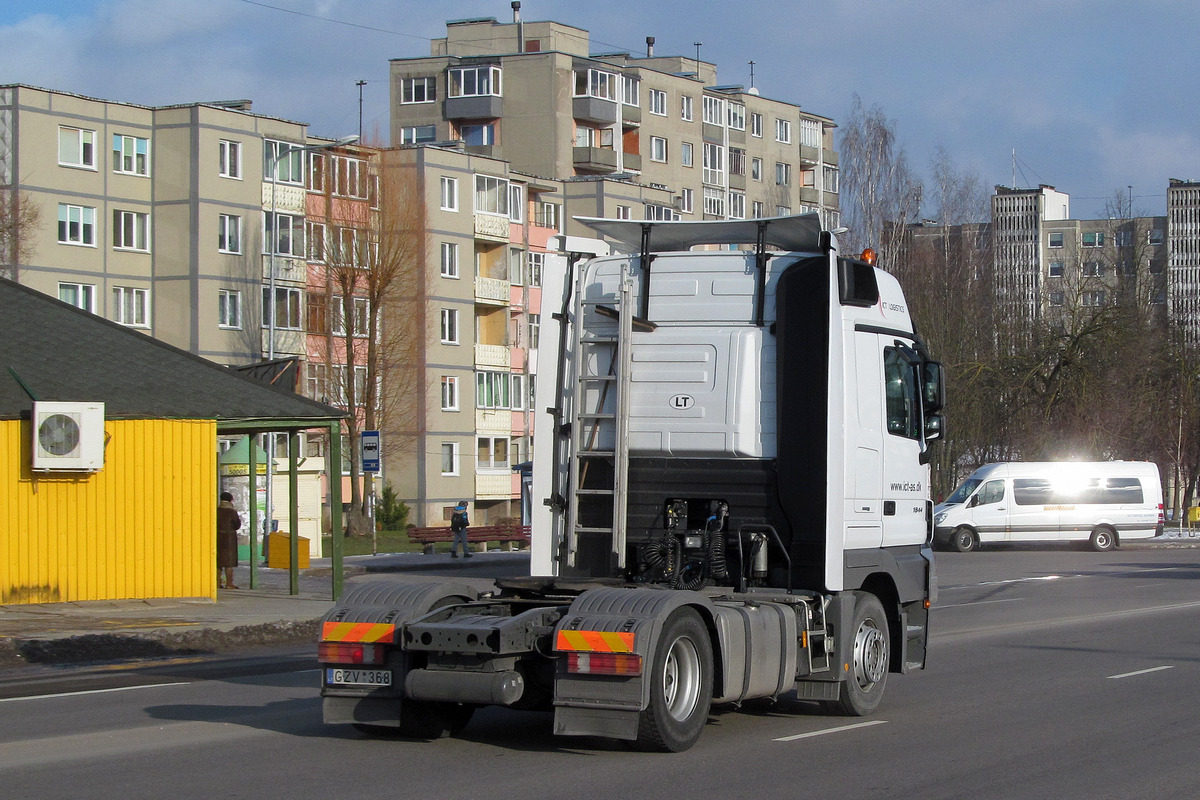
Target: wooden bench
(510, 536)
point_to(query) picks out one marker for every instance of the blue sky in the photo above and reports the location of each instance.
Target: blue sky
(1093, 95)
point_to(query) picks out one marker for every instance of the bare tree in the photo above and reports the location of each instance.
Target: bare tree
(19, 218)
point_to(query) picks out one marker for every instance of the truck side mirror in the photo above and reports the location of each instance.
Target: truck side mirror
(933, 387)
(935, 425)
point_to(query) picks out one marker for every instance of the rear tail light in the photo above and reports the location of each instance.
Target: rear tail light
(1162, 517)
(604, 663)
(349, 653)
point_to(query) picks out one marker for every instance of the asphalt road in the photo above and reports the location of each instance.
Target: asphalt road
(1054, 673)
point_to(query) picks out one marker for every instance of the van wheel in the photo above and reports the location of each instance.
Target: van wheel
(963, 540)
(1103, 540)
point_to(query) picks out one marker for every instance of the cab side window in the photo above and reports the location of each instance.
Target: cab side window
(901, 395)
(992, 492)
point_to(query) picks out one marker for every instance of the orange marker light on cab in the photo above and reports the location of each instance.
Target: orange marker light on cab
(868, 256)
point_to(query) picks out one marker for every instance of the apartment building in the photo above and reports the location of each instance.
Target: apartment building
(532, 94)
(1183, 244)
(149, 216)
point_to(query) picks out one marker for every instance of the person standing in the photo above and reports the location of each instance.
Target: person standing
(228, 522)
(458, 526)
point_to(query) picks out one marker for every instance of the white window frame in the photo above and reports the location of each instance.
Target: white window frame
(624, 212)
(783, 173)
(1054, 240)
(131, 231)
(657, 104)
(229, 159)
(714, 201)
(630, 90)
(686, 157)
(713, 164)
(126, 152)
(757, 209)
(80, 153)
(272, 238)
(292, 300)
(450, 451)
(494, 444)
(314, 241)
(80, 295)
(493, 390)
(229, 234)
(658, 149)
(831, 179)
(85, 220)
(756, 124)
(756, 169)
(131, 306)
(783, 130)
(466, 81)
(810, 133)
(737, 205)
(450, 393)
(491, 195)
(409, 135)
(516, 202)
(418, 90)
(535, 338)
(449, 260)
(737, 116)
(687, 199)
(686, 108)
(597, 83)
(229, 309)
(713, 110)
(449, 326)
(449, 193)
(536, 263)
(283, 162)
(1093, 239)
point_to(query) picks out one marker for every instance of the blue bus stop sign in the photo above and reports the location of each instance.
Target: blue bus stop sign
(370, 451)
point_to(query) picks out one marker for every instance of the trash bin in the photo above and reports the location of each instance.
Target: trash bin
(279, 552)
(1193, 516)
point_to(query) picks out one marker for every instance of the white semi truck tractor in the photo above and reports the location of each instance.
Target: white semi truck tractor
(730, 501)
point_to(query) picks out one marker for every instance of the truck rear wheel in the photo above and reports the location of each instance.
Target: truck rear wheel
(681, 681)
(862, 689)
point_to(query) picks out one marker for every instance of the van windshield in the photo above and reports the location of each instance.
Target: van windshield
(963, 492)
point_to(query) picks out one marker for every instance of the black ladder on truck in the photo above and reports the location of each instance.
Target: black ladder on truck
(600, 422)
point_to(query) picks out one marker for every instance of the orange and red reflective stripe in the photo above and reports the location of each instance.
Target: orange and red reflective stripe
(595, 641)
(376, 632)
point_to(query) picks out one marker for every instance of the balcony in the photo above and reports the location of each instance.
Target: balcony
(593, 109)
(493, 227)
(492, 355)
(631, 116)
(596, 159)
(809, 195)
(493, 486)
(484, 106)
(492, 291)
(809, 154)
(632, 161)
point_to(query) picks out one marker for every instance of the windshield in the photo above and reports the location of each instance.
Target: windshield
(963, 492)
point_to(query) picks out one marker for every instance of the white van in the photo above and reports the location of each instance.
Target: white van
(1101, 503)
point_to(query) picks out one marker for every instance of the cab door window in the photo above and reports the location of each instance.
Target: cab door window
(902, 397)
(992, 492)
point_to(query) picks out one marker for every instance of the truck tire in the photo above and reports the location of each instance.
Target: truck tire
(862, 690)
(1103, 539)
(963, 540)
(424, 719)
(681, 683)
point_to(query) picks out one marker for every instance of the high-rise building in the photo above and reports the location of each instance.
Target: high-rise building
(531, 93)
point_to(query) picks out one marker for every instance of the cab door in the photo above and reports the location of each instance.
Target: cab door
(990, 511)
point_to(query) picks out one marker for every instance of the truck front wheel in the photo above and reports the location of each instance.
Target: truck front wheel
(862, 688)
(681, 681)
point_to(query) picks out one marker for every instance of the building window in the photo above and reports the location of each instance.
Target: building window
(714, 201)
(492, 453)
(229, 309)
(537, 262)
(449, 458)
(516, 202)
(286, 309)
(713, 110)
(418, 90)
(1093, 239)
(76, 225)
(349, 177)
(624, 212)
(1056, 240)
(131, 155)
(757, 209)
(535, 336)
(713, 164)
(810, 133)
(475, 81)
(783, 131)
(449, 326)
(737, 116)
(131, 306)
(1056, 269)
(1154, 237)
(449, 194)
(756, 165)
(1091, 269)
(658, 149)
(687, 199)
(131, 231)
(449, 393)
(548, 215)
(1128, 269)
(80, 295)
(685, 108)
(658, 102)
(1158, 297)
(783, 211)
(449, 260)
(288, 160)
(756, 125)
(1093, 299)
(314, 237)
(76, 147)
(831, 180)
(737, 161)
(737, 205)
(286, 232)
(491, 195)
(418, 134)
(229, 159)
(685, 154)
(783, 174)
(492, 389)
(1124, 239)
(478, 135)
(658, 213)
(229, 233)
(1056, 298)
(317, 378)
(595, 83)
(630, 87)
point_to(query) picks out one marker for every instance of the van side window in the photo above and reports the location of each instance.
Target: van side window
(992, 492)
(1031, 491)
(901, 394)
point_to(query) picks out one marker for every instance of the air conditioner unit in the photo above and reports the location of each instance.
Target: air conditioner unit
(68, 436)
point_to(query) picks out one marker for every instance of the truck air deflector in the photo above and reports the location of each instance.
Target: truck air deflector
(796, 233)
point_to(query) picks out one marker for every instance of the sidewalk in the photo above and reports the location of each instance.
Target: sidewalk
(240, 618)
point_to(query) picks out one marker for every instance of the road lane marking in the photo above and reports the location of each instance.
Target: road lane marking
(831, 730)
(91, 691)
(980, 602)
(1140, 672)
